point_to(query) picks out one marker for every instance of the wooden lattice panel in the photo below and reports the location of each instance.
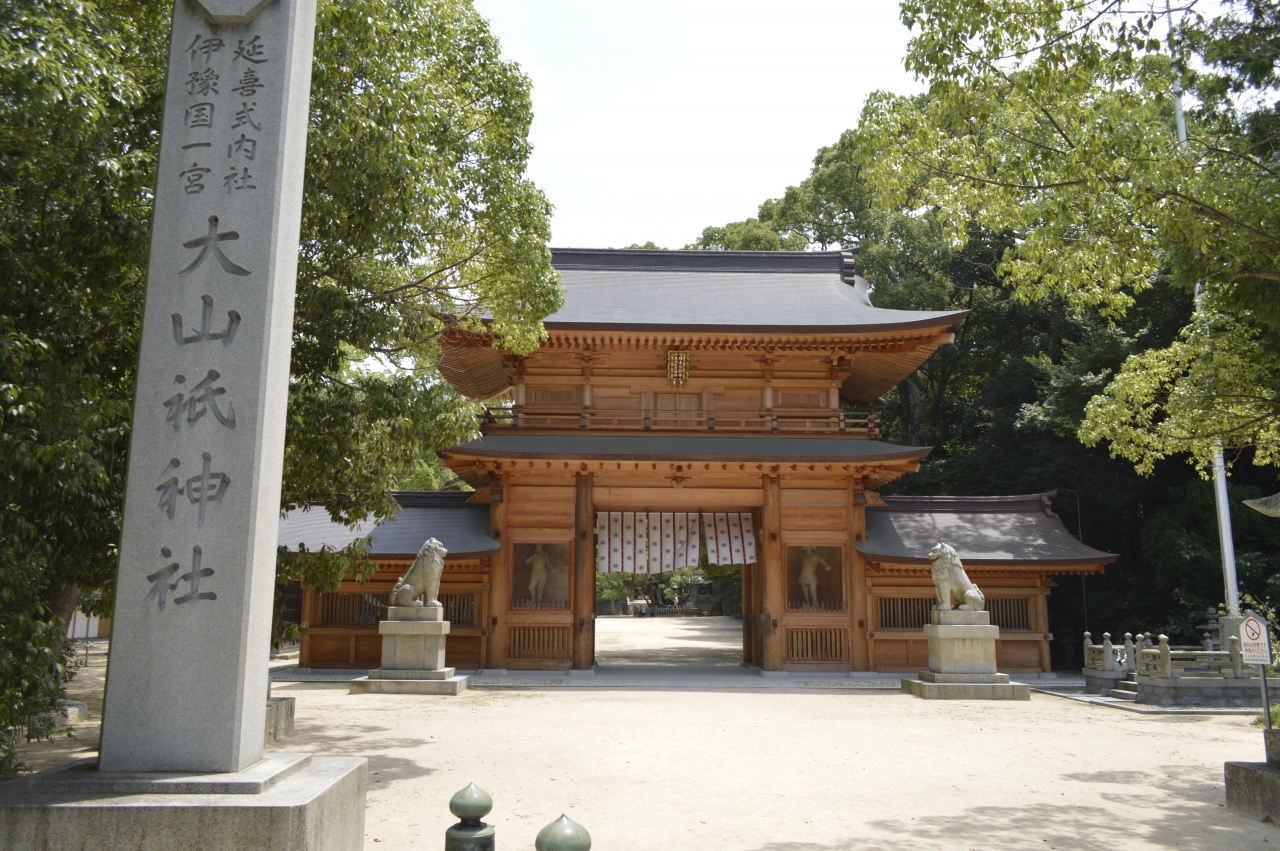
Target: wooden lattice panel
(539, 643)
(817, 644)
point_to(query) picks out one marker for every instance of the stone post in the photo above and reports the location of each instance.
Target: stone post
(1166, 664)
(1108, 653)
(187, 682)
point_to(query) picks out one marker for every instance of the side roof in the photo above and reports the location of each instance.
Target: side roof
(445, 515)
(990, 531)
(809, 292)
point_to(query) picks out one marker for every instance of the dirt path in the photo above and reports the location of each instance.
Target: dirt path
(668, 641)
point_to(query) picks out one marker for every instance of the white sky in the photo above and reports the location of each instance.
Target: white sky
(655, 119)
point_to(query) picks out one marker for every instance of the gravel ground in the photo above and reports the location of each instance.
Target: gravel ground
(777, 770)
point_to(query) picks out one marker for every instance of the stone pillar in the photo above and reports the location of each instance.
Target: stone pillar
(187, 682)
(584, 575)
(774, 577)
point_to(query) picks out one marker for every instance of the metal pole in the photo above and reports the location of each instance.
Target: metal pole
(1266, 698)
(1226, 544)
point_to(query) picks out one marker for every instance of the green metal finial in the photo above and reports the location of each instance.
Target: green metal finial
(471, 804)
(563, 834)
(470, 834)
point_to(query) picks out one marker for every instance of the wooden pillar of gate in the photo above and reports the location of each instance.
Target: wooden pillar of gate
(773, 577)
(584, 575)
(748, 613)
(860, 655)
(499, 580)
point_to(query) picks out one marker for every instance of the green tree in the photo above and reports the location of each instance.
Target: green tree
(1054, 122)
(749, 235)
(418, 218)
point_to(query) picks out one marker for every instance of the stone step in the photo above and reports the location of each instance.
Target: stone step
(1123, 694)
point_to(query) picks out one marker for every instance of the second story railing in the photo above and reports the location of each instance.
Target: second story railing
(824, 421)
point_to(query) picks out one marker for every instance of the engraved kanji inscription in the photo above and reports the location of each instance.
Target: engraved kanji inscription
(242, 147)
(206, 47)
(234, 180)
(207, 487)
(206, 333)
(198, 115)
(159, 580)
(202, 83)
(249, 83)
(244, 115)
(208, 244)
(193, 178)
(163, 581)
(170, 488)
(250, 51)
(192, 577)
(203, 399)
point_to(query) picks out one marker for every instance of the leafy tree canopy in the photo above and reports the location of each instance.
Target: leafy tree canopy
(417, 217)
(749, 235)
(1054, 122)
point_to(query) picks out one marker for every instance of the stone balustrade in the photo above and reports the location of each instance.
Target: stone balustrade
(1156, 673)
(1166, 661)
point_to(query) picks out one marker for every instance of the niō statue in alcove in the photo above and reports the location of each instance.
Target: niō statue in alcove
(540, 569)
(810, 558)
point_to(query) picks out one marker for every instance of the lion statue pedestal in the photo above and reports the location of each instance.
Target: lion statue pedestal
(413, 635)
(962, 641)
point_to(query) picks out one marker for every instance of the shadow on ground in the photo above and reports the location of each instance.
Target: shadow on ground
(1178, 808)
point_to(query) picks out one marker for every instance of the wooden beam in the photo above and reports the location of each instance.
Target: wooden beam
(584, 575)
(665, 496)
(774, 577)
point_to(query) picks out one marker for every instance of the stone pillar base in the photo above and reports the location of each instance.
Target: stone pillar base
(413, 641)
(962, 661)
(1253, 788)
(932, 686)
(286, 802)
(369, 685)
(279, 719)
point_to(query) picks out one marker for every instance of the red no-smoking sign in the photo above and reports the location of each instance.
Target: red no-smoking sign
(1255, 641)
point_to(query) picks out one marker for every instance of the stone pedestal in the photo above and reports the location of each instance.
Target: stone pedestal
(413, 639)
(962, 661)
(284, 802)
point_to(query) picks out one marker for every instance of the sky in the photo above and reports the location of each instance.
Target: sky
(653, 120)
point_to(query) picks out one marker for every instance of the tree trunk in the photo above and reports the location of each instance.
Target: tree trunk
(911, 407)
(61, 599)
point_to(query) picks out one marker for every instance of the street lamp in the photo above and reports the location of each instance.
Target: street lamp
(1084, 598)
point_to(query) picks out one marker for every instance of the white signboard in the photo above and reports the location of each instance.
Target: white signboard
(1255, 641)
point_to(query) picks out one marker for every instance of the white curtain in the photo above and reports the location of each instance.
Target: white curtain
(658, 542)
(730, 538)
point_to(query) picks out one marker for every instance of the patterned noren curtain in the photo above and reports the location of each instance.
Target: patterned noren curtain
(730, 538)
(658, 542)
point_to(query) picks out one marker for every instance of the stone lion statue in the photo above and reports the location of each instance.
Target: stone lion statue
(423, 577)
(954, 588)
